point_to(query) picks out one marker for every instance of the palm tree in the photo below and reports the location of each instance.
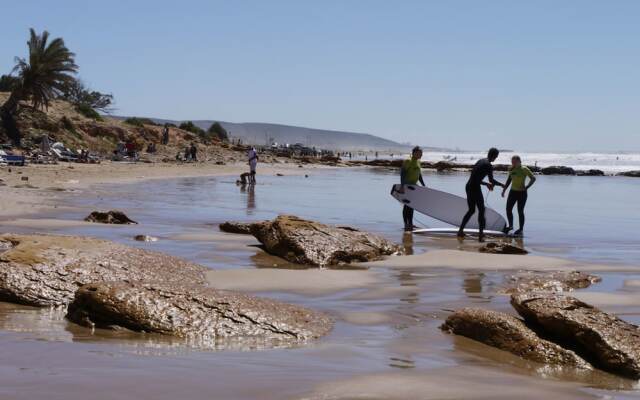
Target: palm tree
(42, 77)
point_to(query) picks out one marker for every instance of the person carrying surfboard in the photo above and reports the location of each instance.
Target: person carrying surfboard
(410, 174)
(518, 193)
(475, 198)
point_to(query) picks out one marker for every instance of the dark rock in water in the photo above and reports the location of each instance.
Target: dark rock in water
(591, 172)
(109, 217)
(307, 242)
(558, 170)
(194, 312)
(442, 166)
(560, 281)
(509, 333)
(608, 342)
(145, 238)
(241, 228)
(502, 248)
(44, 270)
(631, 174)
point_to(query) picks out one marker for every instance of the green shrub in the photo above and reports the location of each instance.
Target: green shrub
(88, 112)
(217, 130)
(140, 122)
(191, 127)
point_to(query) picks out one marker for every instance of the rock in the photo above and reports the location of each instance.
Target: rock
(145, 238)
(24, 178)
(558, 170)
(608, 342)
(509, 333)
(46, 270)
(591, 172)
(560, 281)
(307, 242)
(501, 248)
(240, 228)
(442, 166)
(194, 312)
(109, 217)
(630, 174)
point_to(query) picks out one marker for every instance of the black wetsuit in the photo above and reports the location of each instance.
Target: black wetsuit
(475, 199)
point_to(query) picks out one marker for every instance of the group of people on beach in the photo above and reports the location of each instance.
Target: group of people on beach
(520, 178)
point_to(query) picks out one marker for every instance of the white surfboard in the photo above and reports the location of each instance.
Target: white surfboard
(454, 231)
(444, 206)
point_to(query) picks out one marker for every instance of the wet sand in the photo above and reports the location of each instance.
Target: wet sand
(386, 343)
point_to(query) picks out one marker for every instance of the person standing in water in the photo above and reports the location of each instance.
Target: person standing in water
(475, 199)
(253, 163)
(410, 174)
(518, 193)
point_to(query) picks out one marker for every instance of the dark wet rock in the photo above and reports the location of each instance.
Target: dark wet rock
(46, 270)
(509, 333)
(590, 172)
(631, 174)
(195, 312)
(442, 166)
(240, 228)
(558, 170)
(145, 238)
(501, 248)
(109, 217)
(559, 281)
(608, 342)
(308, 242)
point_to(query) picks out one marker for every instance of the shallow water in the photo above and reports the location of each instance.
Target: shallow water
(386, 335)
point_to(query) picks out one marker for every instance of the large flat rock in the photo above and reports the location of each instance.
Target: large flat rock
(509, 333)
(556, 281)
(194, 312)
(605, 340)
(307, 242)
(46, 270)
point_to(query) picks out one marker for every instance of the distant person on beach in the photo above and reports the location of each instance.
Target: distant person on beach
(518, 193)
(165, 134)
(252, 155)
(410, 174)
(475, 199)
(193, 152)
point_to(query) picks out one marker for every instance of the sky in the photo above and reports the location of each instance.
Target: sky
(523, 75)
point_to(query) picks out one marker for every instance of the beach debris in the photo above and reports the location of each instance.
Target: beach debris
(558, 281)
(608, 342)
(109, 217)
(508, 333)
(240, 228)
(195, 312)
(558, 170)
(145, 238)
(24, 178)
(312, 243)
(502, 248)
(46, 270)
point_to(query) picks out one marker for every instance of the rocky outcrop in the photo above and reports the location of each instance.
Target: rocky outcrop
(193, 312)
(606, 341)
(560, 281)
(312, 243)
(558, 170)
(145, 238)
(630, 174)
(502, 248)
(590, 172)
(508, 333)
(240, 228)
(109, 217)
(46, 270)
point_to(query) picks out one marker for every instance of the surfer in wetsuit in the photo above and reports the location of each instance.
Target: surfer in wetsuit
(518, 193)
(475, 199)
(410, 174)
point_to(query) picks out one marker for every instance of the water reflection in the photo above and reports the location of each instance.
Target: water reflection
(250, 192)
(472, 282)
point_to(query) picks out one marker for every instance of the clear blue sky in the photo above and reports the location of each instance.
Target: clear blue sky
(527, 75)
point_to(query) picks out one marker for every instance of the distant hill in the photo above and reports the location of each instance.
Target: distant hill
(261, 133)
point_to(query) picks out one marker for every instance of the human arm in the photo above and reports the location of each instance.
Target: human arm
(506, 185)
(422, 180)
(532, 179)
(492, 180)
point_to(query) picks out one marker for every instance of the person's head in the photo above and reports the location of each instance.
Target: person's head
(493, 154)
(416, 153)
(516, 161)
